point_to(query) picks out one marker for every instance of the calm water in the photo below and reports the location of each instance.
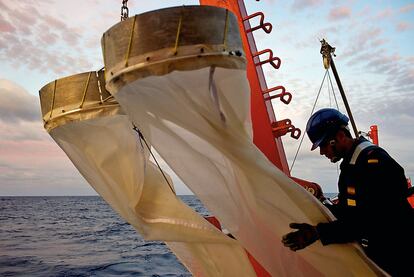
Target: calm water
(78, 236)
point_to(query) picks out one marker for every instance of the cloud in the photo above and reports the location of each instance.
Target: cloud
(304, 4)
(16, 104)
(368, 51)
(395, 117)
(367, 35)
(6, 27)
(396, 72)
(27, 15)
(383, 14)
(38, 39)
(407, 8)
(339, 13)
(38, 167)
(363, 45)
(323, 33)
(30, 162)
(403, 26)
(384, 63)
(390, 12)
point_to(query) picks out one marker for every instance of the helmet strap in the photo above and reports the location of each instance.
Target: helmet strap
(335, 158)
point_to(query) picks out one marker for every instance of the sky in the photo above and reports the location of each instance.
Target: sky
(44, 40)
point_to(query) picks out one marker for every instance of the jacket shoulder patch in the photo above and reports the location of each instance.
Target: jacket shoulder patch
(351, 202)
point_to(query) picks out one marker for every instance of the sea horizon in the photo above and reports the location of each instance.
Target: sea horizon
(79, 235)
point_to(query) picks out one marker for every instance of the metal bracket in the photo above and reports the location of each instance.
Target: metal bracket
(327, 51)
(267, 27)
(284, 126)
(284, 96)
(270, 60)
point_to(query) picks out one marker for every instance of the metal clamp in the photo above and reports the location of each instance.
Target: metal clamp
(267, 27)
(270, 60)
(284, 96)
(282, 127)
(327, 51)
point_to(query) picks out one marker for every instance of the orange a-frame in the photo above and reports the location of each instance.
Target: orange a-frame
(266, 129)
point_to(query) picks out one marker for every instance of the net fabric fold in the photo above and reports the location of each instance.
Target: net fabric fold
(109, 155)
(199, 122)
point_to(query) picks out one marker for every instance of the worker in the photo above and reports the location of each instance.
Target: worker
(372, 207)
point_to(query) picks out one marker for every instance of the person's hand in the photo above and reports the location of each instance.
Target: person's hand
(304, 236)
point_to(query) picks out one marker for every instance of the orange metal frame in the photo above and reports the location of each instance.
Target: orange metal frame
(258, 268)
(373, 134)
(267, 131)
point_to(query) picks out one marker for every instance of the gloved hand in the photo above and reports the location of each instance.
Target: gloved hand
(304, 236)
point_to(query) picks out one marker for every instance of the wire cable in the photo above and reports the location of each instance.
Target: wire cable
(303, 135)
(333, 91)
(141, 137)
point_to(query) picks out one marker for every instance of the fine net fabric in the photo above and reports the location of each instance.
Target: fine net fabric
(108, 153)
(199, 122)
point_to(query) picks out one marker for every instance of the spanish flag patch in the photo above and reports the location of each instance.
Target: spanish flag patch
(373, 161)
(351, 202)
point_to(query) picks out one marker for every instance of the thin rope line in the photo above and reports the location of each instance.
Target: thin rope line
(303, 135)
(130, 41)
(99, 86)
(177, 37)
(329, 92)
(141, 136)
(85, 90)
(104, 51)
(53, 99)
(333, 91)
(337, 107)
(226, 27)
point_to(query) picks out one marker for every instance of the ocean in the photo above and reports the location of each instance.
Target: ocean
(78, 236)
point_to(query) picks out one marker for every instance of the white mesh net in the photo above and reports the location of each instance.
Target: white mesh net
(199, 122)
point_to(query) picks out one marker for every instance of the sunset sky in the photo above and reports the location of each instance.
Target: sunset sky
(45, 40)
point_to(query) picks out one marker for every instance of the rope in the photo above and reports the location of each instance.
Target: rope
(53, 99)
(104, 53)
(99, 86)
(333, 91)
(303, 135)
(130, 41)
(141, 136)
(177, 37)
(329, 92)
(85, 90)
(226, 27)
(337, 107)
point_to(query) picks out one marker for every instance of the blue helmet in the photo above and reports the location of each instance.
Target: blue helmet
(323, 124)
